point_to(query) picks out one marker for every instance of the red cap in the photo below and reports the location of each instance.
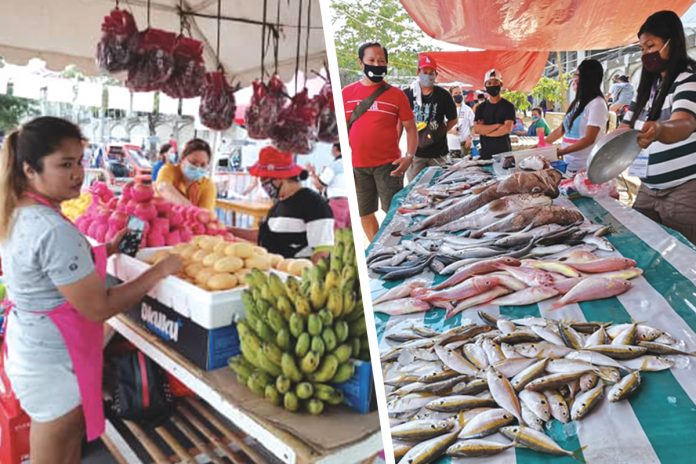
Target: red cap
(426, 61)
(275, 163)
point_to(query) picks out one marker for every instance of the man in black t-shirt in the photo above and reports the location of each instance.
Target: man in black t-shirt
(494, 118)
(431, 105)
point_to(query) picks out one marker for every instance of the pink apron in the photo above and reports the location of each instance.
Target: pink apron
(84, 340)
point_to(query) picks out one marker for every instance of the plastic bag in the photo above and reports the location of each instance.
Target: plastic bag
(327, 127)
(154, 62)
(188, 78)
(296, 128)
(217, 102)
(119, 41)
(587, 189)
(267, 102)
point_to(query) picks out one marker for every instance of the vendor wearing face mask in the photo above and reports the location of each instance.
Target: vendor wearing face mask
(436, 114)
(663, 109)
(494, 118)
(300, 224)
(188, 183)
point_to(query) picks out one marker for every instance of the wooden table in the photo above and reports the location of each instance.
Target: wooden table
(258, 210)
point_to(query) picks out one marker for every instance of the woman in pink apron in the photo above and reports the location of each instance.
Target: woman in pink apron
(57, 297)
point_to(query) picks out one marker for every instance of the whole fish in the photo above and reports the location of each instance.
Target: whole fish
(506, 280)
(503, 393)
(530, 419)
(439, 375)
(506, 326)
(470, 388)
(593, 288)
(476, 447)
(475, 353)
(421, 429)
(586, 401)
(481, 298)
(486, 423)
(510, 367)
(545, 333)
(542, 350)
(588, 381)
(494, 210)
(551, 381)
(527, 236)
(528, 374)
(564, 285)
(455, 403)
(521, 335)
(537, 403)
(534, 217)
(429, 450)
(627, 336)
(598, 359)
(526, 296)
(400, 291)
(626, 386)
(619, 351)
(598, 337)
(408, 271)
(408, 403)
(600, 242)
(453, 359)
(530, 276)
(551, 266)
(570, 336)
(660, 348)
(566, 366)
(492, 350)
(559, 408)
(402, 306)
(471, 287)
(644, 332)
(477, 268)
(602, 265)
(538, 441)
(649, 363)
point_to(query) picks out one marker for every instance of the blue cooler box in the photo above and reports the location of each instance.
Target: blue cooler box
(359, 391)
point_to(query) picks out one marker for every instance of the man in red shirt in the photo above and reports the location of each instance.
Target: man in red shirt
(378, 167)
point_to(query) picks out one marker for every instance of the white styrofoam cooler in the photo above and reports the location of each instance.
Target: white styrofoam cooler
(210, 310)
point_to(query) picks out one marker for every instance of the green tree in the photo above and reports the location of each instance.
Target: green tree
(517, 98)
(551, 90)
(13, 110)
(384, 21)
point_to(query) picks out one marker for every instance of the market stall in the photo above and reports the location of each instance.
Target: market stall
(653, 425)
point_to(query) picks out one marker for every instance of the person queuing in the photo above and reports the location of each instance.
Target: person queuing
(622, 95)
(300, 223)
(494, 118)
(166, 155)
(375, 113)
(187, 183)
(435, 114)
(459, 138)
(539, 127)
(663, 109)
(58, 300)
(586, 117)
(332, 182)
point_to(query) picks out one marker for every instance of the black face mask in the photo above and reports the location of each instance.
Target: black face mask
(375, 73)
(459, 98)
(493, 90)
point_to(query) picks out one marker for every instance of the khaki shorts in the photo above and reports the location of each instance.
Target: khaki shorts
(675, 207)
(418, 164)
(375, 185)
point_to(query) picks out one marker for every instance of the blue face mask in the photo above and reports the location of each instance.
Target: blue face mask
(535, 118)
(194, 173)
(427, 80)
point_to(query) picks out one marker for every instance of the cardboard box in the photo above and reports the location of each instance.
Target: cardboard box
(208, 349)
(359, 391)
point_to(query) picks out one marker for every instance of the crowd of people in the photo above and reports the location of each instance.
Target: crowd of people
(439, 123)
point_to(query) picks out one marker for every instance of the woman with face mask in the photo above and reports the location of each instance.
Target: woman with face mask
(586, 117)
(663, 110)
(188, 183)
(300, 223)
(57, 297)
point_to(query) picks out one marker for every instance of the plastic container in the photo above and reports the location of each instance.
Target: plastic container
(358, 391)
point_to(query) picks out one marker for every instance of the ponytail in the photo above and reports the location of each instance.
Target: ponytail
(12, 182)
(37, 139)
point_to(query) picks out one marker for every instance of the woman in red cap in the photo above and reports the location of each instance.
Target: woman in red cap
(300, 223)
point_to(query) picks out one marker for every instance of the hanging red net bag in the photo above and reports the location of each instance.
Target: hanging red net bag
(188, 77)
(295, 130)
(217, 102)
(266, 103)
(154, 62)
(119, 41)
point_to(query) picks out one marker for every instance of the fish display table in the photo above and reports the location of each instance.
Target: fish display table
(655, 425)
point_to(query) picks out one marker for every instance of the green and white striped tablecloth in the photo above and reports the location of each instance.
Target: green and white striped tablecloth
(658, 423)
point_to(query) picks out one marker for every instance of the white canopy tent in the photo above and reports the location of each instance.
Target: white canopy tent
(64, 32)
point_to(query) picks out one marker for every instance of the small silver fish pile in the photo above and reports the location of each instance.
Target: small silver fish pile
(452, 392)
(574, 277)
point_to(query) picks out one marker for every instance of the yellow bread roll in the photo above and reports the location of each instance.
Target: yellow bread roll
(212, 258)
(261, 262)
(240, 249)
(229, 264)
(222, 281)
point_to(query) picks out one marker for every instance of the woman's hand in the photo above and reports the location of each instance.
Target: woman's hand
(649, 133)
(172, 264)
(112, 246)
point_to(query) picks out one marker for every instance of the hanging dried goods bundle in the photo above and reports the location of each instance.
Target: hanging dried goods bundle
(266, 103)
(188, 78)
(327, 128)
(154, 62)
(217, 102)
(295, 130)
(119, 41)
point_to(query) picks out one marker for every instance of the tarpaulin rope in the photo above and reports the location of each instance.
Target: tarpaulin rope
(299, 40)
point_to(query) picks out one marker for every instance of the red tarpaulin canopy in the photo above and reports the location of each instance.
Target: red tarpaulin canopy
(536, 24)
(520, 70)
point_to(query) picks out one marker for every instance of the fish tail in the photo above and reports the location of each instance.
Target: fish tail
(577, 454)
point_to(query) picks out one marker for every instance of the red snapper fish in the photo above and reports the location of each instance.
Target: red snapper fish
(593, 288)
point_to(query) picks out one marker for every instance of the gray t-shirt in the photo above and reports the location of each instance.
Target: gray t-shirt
(44, 251)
